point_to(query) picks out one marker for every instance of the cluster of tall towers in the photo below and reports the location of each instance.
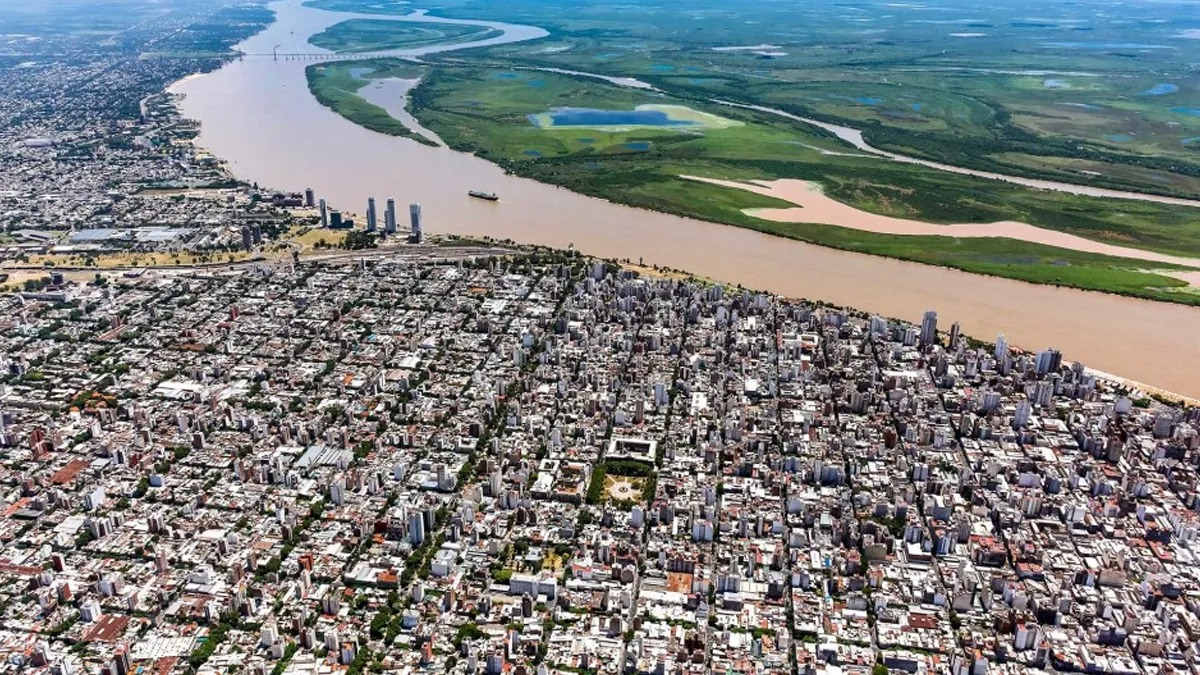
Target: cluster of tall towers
(332, 218)
(389, 219)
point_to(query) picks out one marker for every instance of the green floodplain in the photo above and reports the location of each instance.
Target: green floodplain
(336, 86)
(1106, 106)
(372, 35)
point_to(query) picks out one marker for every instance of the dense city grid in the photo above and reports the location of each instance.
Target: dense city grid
(85, 127)
(537, 462)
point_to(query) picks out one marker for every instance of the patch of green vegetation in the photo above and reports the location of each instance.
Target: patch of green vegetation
(465, 101)
(336, 86)
(365, 6)
(357, 240)
(982, 121)
(216, 635)
(640, 474)
(629, 467)
(466, 632)
(373, 35)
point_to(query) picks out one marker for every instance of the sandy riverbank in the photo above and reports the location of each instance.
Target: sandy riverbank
(814, 206)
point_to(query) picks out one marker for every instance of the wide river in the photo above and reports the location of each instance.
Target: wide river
(258, 115)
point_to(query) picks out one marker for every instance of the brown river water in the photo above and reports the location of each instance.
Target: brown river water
(258, 116)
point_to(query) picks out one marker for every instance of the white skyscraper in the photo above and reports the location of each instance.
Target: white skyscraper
(389, 217)
(337, 491)
(414, 217)
(1022, 415)
(878, 325)
(929, 328)
(416, 528)
(1048, 361)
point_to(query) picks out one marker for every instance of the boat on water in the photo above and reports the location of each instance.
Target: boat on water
(489, 196)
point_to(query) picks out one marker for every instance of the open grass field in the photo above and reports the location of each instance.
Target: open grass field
(371, 35)
(129, 259)
(308, 239)
(16, 279)
(336, 86)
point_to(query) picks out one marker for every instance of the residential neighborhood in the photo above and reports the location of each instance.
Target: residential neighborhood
(472, 459)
